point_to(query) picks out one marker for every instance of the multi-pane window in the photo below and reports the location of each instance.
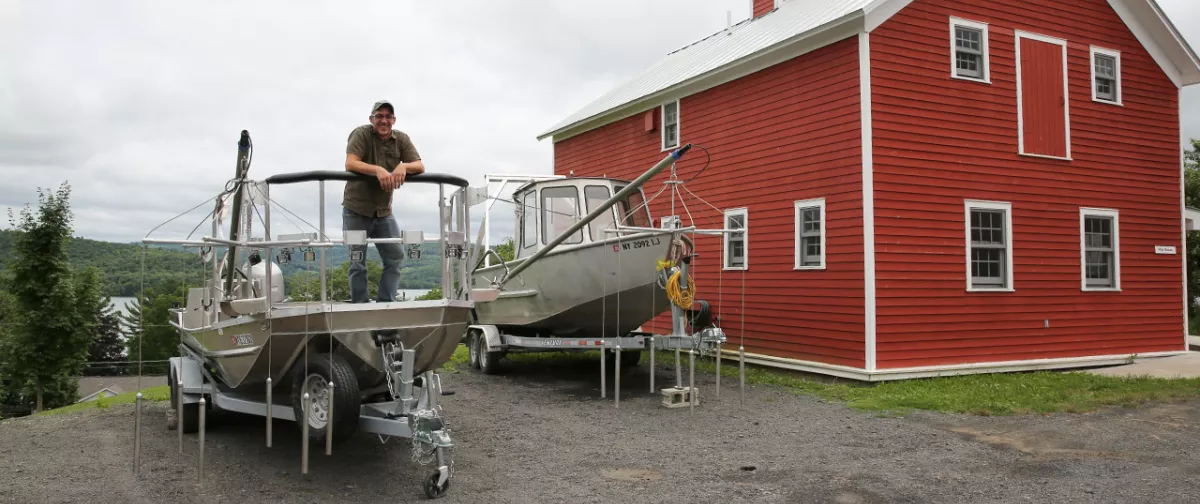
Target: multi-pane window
(1106, 75)
(969, 49)
(989, 246)
(670, 125)
(735, 242)
(810, 234)
(1100, 249)
(560, 210)
(529, 220)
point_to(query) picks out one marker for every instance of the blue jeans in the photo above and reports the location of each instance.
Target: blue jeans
(391, 253)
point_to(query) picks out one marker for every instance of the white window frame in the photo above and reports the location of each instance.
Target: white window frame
(1017, 36)
(800, 205)
(662, 116)
(1115, 215)
(1116, 56)
(1006, 207)
(743, 211)
(987, 61)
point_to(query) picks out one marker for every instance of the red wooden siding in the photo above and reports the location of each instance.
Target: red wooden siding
(787, 133)
(1043, 98)
(939, 141)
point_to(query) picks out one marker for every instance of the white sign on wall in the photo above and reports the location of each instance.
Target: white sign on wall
(1164, 249)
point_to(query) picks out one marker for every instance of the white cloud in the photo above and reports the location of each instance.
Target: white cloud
(138, 104)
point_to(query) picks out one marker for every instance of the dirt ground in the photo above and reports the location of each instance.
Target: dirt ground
(540, 433)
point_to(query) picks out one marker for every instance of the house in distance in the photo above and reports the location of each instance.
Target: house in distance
(926, 187)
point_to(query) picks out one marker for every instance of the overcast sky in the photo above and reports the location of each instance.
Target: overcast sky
(138, 104)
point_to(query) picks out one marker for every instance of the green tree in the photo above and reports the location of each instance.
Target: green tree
(107, 346)
(507, 249)
(1191, 196)
(148, 325)
(49, 343)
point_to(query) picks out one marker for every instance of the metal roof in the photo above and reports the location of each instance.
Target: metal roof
(719, 49)
(796, 20)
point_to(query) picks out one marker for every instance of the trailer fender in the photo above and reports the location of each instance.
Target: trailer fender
(490, 334)
(193, 378)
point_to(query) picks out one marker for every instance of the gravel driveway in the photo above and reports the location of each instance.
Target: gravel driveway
(524, 437)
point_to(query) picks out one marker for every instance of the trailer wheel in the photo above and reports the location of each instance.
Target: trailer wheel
(473, 349)
(489, 362)
(315, 411)
(432, 490)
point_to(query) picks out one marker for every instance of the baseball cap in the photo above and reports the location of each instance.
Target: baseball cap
(381, 103)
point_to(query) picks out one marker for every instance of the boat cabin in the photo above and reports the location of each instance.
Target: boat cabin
(547, 208)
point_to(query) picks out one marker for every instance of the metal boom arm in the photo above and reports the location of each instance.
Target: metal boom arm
(633, 186)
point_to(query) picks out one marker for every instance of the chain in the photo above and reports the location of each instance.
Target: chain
(386, 351)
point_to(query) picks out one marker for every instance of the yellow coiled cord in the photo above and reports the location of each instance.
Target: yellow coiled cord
(677, 295)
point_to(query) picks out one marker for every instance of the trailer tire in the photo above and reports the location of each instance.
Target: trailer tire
(346, 397)
(489, 362)
(473, 359)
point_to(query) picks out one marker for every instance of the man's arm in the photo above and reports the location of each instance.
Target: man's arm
(411, 161)
(356, 147)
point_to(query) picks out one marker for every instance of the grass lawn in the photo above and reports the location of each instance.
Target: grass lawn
(159, 393)
(984, 394)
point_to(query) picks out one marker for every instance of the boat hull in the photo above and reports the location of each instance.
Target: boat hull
(243, 352)
(591, 290)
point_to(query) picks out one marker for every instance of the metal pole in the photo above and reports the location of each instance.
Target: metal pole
(329, 422)
(180, 417)
(617, 377)
(718, 396)
(137, 435)
(603, 207)
(304, 434)
(323, 238)
(603, 382)
(443, 225)
(651, 363)
(742, 374)
(200, 465)
(678, 366)
(270, 409)
(692, 381)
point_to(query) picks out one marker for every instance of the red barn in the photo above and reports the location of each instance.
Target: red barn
(927, 187)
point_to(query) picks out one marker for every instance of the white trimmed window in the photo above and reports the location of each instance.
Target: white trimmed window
(1099, 249)
(969, 50)
(1106, 75)
(810, 234)
(989, 246)
(736, 243)
(670, 125)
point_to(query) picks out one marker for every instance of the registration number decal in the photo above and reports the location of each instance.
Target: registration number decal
(243, 339)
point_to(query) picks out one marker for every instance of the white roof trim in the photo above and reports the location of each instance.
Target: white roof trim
(756, 43)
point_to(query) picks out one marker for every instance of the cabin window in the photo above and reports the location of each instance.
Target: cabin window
(670, 125)
(529, 220)
(969, 50)
(736, 243)
(989, 246)
(634, 211)
(560, 209)
(594, 196)
(810, 234)
(1106, 75)
(1100, 249)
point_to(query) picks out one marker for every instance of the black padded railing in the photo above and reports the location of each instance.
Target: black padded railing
(319, 175)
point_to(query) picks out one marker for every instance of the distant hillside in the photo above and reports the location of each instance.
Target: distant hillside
(122, 263)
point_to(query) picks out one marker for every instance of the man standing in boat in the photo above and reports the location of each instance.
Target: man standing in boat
(377, 150)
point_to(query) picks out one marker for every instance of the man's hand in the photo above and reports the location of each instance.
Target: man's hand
(386, 180)
(399, 174)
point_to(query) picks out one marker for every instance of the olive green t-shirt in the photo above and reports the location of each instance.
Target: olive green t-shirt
(366, 197)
